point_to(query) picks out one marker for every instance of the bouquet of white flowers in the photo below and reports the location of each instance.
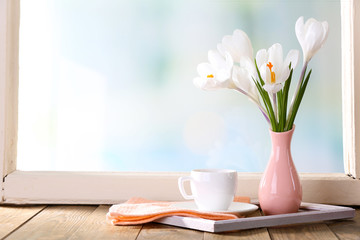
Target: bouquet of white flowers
(268, 75)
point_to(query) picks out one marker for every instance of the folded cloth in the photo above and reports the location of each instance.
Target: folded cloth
(140, 210)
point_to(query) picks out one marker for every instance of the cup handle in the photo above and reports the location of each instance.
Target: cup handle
(181, 181)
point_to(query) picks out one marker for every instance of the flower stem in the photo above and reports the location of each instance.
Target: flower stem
(256, 102)
(297, 89)
(275, 106)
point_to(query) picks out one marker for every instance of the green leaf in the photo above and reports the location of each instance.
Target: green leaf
(285, 99)
(298, 100)
(259, 75)
(267, 103)
(280, 105)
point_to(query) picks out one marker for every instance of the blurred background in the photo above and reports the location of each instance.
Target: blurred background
(106, 85)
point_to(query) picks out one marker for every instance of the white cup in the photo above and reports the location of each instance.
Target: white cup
(212, 189)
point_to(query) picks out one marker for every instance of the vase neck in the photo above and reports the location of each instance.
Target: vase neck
(281, 138)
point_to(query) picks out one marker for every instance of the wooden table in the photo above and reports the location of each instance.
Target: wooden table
(88, 222)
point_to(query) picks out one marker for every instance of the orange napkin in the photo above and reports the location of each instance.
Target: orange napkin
(140, 210)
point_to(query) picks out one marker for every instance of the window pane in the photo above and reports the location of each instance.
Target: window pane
(107, 85)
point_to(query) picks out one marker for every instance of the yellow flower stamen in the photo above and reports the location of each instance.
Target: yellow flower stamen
(269, 65)
(210, 76)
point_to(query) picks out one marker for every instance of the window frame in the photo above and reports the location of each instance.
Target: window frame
(22, 187)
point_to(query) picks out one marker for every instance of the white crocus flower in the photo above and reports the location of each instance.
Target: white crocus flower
(273, 69)
(238, 45)
(216, 73)
(240, 48)
(243, 76)
(311, 36)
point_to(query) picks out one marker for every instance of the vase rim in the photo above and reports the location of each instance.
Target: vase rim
(291, 130)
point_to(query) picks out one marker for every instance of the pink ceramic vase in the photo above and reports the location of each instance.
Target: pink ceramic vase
(280, 188)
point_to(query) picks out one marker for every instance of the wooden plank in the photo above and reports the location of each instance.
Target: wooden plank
(165, 232)
(252, 234)
(96, 227)
(308, 231)
(54, 222)
(347, 229)
(317, 231)
(12, 217)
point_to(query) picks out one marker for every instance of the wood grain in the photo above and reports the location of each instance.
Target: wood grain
(84, 222)
(318, 231)
(347, 229)
(54, 222)
(96, 227)
(164, 232)
(252, 234)
(12, 217)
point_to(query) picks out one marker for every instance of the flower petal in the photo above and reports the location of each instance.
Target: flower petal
(243, 43)
(272, 88)
(249, 65)
(221, 49)
(199, 82)
(237, 45)
(311, 36)
(209, 83)
(293, 57)
(276, 57)
(223, 75)
(216, 60)
(205, 69)
(241, 79)
(283, 76)
(229, 62)
(326, 31)
(308, 23)
(264, 72)
(277, 87)
(229, 46)
(261, 57)
(300, 30)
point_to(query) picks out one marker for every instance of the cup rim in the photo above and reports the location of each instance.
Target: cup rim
(213, 170)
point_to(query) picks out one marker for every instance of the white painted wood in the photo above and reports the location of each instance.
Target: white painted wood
(2, 90)
(356, 50)
(88, 188)
(309, 213)
(12, 85)
(9, 73)
(112, 188)
(317, 213)
(350, 27)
